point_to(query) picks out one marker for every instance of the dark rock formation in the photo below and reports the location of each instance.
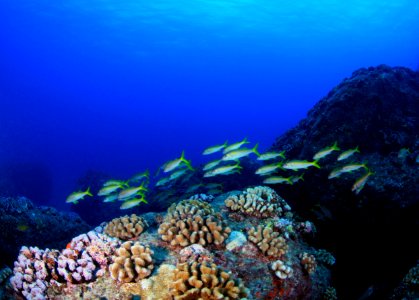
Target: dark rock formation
(373, 234)
(23, 223)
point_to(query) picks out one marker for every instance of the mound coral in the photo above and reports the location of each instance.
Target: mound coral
(268, 241)
(260, 201)
(126, 227)
(197, 230)
(189, 208)
(205, 281)
(132, 262)
(192, 222)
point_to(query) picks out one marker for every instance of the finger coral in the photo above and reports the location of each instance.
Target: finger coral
(268, 241)
(132, 262)
(205, 281)
(126, 227)
(260, 201)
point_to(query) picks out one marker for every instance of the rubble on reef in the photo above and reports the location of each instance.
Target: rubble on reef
(207, 261)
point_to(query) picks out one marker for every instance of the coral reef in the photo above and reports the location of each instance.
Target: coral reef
(259, 201)
(132, 262)
(126, 227)
(205, 281)
(21, 220)
(191, 264)
(268, 241)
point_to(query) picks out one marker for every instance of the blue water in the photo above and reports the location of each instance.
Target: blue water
(120, 86)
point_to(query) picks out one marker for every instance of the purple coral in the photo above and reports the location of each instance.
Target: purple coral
(33, 271)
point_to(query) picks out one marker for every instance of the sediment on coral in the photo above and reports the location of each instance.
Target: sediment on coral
(132, 262)
(268, 241)
(260, 201)
(126, 227)
(205, 281)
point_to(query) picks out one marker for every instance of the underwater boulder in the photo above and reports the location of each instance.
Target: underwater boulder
(23, 223)
(377, 110)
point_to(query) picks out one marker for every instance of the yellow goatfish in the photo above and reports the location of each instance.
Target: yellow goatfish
(360, 183)
(212, 164)
(173, 164)
(115, 182)
(108, 190)
(348, 153)
(326, 151)
(214, 149)
(277, 179)
(268, 169)
(111, 198)
(300, 164)
(139, 176)
(271, 155)
(235, 146)
(222, 170)
(129, 192)
(132, 203)
(76, 196)
(239, 153)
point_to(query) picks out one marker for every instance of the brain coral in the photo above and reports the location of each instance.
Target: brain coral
(205, 281)
(268, 241)
(260, 201)
(126, 227)
(132, 262)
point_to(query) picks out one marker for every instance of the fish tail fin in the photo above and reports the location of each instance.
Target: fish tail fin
(289, 181)
(357, 149)
(315, 164)
(255, 149)
(188, 164)
(335, 146)
(282, 154)
(245, 141)
(301, 177)
(88, 193)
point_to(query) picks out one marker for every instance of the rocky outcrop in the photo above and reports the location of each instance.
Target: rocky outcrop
(377, 110)
(23, 223)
